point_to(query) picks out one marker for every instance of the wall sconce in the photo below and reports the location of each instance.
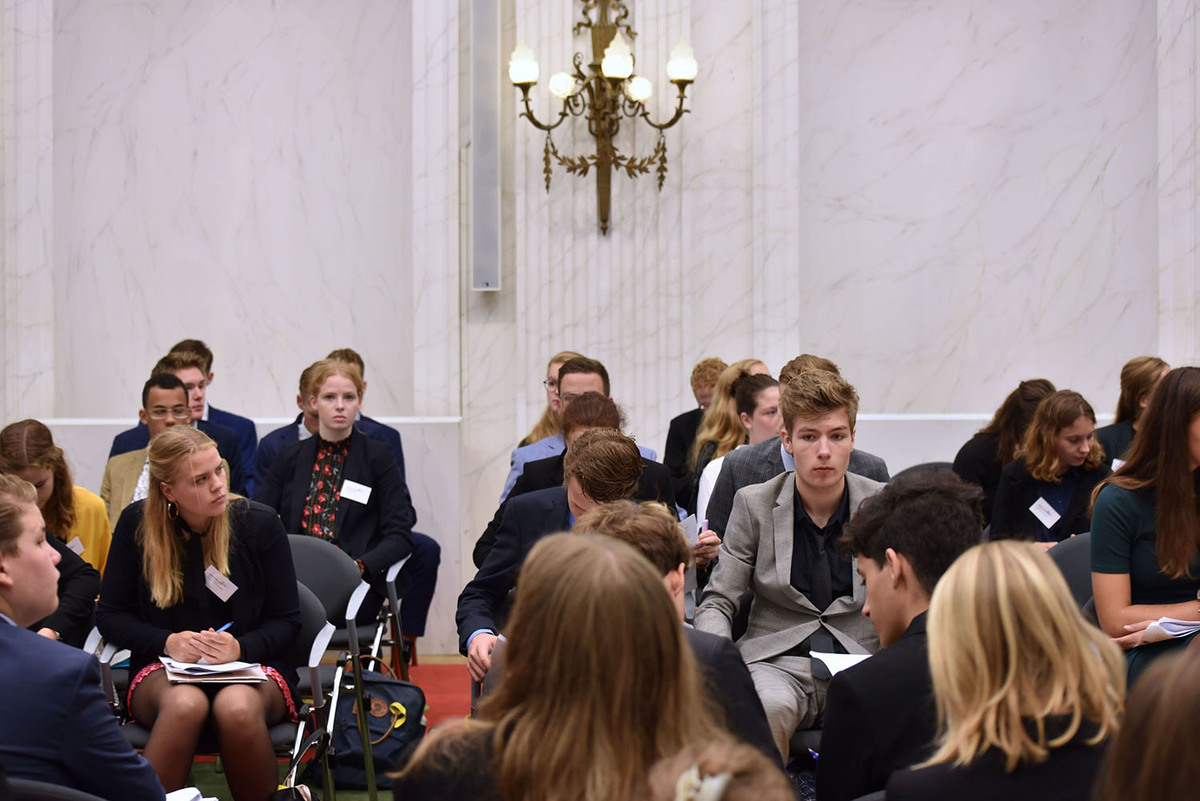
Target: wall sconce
(602, 95)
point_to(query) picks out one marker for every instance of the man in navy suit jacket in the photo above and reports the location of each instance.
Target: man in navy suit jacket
(189, 368)
(880, 715)
(247, 434)
(602, 465)
(57, 726)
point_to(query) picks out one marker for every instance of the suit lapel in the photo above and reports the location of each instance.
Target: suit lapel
(306, 455)
(784, 519)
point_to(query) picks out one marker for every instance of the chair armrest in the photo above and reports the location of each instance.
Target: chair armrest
(394, 570)
(321, 644)
(356, 600)
(94, 641)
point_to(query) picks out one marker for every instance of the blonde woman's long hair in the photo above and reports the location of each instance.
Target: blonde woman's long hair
(550, 424)
(721, 423)
(1008, 649)
(599, 680)
(162, 547)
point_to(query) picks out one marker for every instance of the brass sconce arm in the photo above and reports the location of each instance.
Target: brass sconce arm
(645, 115)
(529, 115)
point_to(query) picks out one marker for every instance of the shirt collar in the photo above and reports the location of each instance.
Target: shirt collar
(841, 515)
(789, 461)
(7, 619)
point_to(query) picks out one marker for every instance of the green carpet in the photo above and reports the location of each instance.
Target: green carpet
(212, 784)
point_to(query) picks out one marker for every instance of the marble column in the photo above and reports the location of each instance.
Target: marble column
(1178, 182)
(26, 209)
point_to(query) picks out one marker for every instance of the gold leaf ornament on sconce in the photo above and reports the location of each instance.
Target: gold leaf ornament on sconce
(604, 93)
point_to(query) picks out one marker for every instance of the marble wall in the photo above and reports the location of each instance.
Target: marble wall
(945, 197)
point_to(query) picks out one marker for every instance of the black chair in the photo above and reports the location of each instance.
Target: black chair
(918, 468)
(330, 572)
(335, 579)
(30, 790)
(878, 795)
(1074, 558)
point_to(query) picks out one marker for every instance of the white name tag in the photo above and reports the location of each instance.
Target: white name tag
(1045, 512)
(76, 545)
(359, 493)
(1118, 464)
(217, 584)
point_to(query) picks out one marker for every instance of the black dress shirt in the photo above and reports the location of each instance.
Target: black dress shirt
(814, 549)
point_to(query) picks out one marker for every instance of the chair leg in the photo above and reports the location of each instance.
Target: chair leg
(364, 733)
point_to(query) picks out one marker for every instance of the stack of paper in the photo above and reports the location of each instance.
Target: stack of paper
(1168, 628)
(204, 673)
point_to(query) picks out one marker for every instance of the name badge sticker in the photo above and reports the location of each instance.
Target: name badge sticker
(217, 584)
(1043, 511)
(359, 493)
(76, 545)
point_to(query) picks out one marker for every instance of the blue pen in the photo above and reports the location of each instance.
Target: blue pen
(227, 625)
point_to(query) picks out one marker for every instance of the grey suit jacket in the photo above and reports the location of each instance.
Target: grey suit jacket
(756, 553)
(755, 464)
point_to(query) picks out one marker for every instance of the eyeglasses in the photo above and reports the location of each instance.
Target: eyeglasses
(551, 384)
(162, 412)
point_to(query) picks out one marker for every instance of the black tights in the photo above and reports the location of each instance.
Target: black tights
(240, 714)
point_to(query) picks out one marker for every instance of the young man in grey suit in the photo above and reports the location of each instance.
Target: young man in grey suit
(754, 464)
(781, 542)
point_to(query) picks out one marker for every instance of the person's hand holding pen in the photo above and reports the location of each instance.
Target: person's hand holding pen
(217, 646)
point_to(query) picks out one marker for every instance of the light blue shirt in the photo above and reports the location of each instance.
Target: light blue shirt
(789, 461)
(544, 449)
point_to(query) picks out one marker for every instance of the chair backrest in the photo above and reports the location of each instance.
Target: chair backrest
(1074, 558)
(312, 621)
(30, 790)
(917, 468)
(327, 571)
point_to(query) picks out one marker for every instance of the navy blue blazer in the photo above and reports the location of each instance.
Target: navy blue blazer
(58, 727)
(277, 440)
(226, 438)
(265, 606)
(880, 717)
(526, 520)
(247, 436)
(378, 532)
(654, 485)
(78, 586)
